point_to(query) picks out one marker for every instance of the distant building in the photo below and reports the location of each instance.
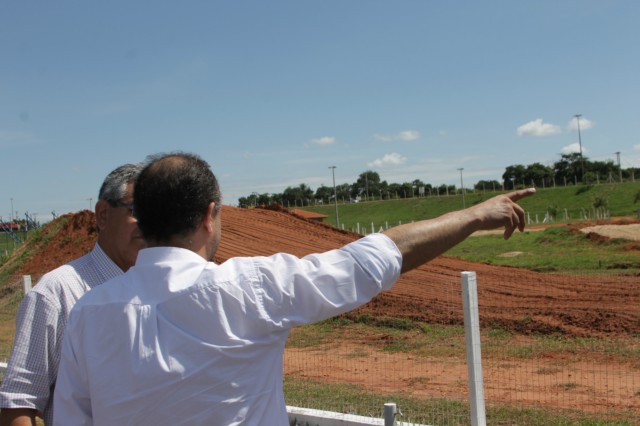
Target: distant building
(317, 217)
(9, 226)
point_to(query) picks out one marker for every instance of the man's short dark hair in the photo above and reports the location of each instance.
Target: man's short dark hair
(172, 195)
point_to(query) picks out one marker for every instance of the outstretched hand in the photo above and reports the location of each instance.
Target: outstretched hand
(503, 211)
(421, 241)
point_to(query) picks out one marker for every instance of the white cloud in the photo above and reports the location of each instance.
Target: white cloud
(573, 148)
(585, 124)
(392, 159)
(405, 135)
(636, 147)
(323, 141)
(538, 128)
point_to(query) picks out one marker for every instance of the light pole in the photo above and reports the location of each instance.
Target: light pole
(366, 184)
(12, 209)
(335, 193)
(577, 116)
(462, 187)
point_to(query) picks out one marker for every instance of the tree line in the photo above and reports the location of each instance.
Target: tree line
(571, 169)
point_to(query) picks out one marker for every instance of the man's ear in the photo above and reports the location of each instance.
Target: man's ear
(210, 216)
(102, 207)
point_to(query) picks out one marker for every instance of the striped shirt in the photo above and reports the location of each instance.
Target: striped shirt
(40, 323)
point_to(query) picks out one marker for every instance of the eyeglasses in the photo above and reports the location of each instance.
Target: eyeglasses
(128, 206)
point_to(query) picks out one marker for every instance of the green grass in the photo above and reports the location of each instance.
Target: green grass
(434, 340)
(7, 246)
(619, 198)
(556, 249)
(566, 348)
(357, 400)
(385, 333)
(11, 293)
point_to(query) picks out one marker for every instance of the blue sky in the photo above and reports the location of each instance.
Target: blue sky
(272, 93)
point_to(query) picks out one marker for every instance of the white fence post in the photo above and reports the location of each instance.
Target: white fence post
(474, 356)
(26, 283)
(389, 414)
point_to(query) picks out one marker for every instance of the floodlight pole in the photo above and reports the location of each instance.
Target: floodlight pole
(462, 187)
(577, 116)
(335, 193)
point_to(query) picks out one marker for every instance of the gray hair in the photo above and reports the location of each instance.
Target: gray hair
(115, 184)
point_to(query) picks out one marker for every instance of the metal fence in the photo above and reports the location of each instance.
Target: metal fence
(354, 366)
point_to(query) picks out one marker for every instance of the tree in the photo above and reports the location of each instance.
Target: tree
(255, 200)
(276, 198)
(630, 173)
(243, 202)
(299, 195)
(417, 184)
(603, 170)
(487, 185)
(368, 183)
(344, 191)
(324, 193)
(538, 174)
(383, 190)
(407, 190)
(263, 199)
(513, 175)
(394, 190)
(445, 189)
(569, 167)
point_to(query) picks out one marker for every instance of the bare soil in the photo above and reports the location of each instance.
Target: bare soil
(522, 301)
(597, 308)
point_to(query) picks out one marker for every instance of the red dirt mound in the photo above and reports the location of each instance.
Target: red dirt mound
(512, 298)
(75, 238)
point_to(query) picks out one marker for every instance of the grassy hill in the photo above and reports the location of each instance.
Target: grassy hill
(567, 204)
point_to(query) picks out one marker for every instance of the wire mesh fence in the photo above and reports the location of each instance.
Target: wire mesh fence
(356, 363)
(585, 371)
(555, 350)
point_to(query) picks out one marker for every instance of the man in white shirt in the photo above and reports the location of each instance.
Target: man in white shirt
(181, 340)
(29, 381)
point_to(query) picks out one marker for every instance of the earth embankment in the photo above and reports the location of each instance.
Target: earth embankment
(516, 299)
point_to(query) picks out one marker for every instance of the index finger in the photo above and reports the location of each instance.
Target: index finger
(520, 194)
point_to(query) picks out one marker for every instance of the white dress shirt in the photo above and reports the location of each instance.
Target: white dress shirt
(178, 340)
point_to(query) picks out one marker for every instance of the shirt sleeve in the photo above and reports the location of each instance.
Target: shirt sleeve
(32, 367)
(72, 402)
(293, 291)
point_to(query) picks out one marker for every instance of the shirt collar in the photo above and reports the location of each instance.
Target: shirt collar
(167, 254)
(106, 266)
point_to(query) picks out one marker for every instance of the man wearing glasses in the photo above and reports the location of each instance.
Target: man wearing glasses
(29, 381)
